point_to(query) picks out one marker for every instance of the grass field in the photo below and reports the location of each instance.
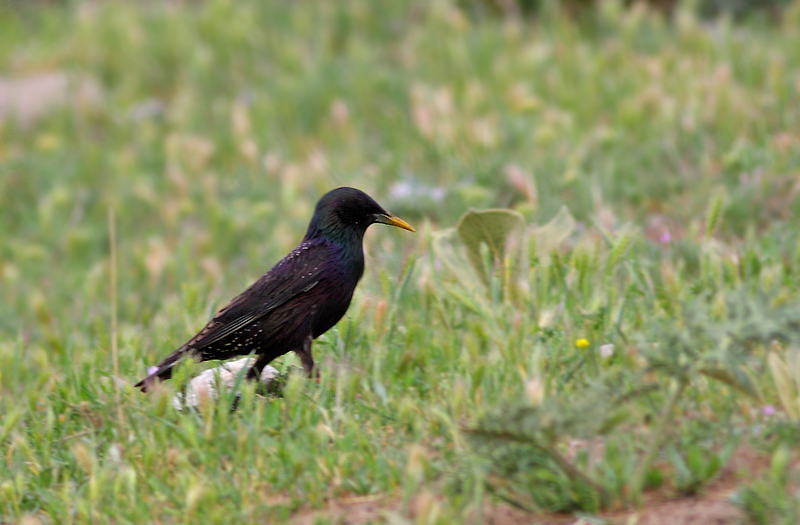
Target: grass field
(623, 333)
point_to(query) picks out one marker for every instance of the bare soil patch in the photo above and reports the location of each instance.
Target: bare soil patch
(711, 507)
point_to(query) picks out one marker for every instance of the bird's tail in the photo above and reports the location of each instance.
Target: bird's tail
(160, 372)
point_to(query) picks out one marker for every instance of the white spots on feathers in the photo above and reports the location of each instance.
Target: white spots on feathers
(242, 340)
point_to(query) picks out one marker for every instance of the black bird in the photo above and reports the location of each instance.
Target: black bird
(300, 298)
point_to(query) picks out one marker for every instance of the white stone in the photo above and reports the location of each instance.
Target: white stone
(205, 385)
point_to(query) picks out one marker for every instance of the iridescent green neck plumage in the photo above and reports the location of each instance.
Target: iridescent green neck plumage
(326, 225)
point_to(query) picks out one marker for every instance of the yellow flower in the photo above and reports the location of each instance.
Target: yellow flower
(582, 343)
(48, 142)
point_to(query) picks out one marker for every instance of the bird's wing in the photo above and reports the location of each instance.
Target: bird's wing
(296, 273)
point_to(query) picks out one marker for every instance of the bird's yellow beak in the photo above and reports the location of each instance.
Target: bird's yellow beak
(391, 220)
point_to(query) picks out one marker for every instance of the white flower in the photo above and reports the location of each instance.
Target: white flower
(606, 351)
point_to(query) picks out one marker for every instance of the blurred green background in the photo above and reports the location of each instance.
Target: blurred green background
(212, 127)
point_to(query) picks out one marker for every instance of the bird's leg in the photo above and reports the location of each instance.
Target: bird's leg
(254, 374)
(306, 358)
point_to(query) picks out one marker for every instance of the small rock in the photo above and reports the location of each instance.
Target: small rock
(150, 108)
(204, 386)
(29, 98)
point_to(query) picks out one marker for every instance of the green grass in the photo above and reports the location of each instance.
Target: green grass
(638, 126)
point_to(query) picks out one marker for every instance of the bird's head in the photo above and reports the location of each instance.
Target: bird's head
(346, 213)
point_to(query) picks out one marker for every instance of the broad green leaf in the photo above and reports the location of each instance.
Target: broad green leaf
(548, 237)
(9, 423)
(733, 376)
(618, 250)
(615, 419)
(793, 362)
(450, 251)
(713, 215)
(784, 384)
(778, 466)
(678, 463)
(501, 231)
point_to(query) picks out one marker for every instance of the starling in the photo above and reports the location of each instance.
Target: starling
(299, 299)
